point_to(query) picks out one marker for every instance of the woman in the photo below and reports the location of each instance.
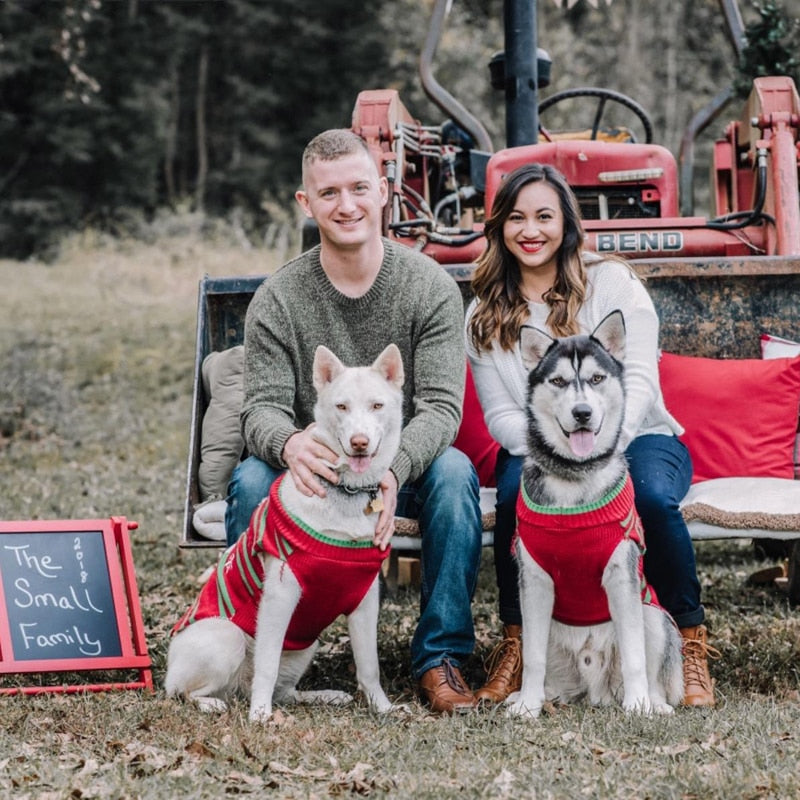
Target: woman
(535, 272)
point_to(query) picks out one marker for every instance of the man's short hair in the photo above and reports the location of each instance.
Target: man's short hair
(332, 144)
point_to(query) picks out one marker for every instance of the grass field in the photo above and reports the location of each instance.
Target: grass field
(96, 359)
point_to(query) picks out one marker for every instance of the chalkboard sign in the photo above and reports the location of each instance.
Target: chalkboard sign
(68, 601)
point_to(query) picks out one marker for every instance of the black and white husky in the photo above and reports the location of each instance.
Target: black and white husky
(302, 562)
(590, 626)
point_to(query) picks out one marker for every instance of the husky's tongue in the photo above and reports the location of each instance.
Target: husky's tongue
(581, 443)
(359, 464)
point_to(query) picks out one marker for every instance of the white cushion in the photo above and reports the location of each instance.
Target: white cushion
(209, 520)
(743, 507)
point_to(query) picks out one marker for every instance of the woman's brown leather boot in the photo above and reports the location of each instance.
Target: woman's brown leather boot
(503, 667)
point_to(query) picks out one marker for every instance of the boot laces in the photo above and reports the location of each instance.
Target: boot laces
(454, 679)
(504, 660)
(695, 653)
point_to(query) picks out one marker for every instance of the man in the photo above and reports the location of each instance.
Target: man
(355, 293)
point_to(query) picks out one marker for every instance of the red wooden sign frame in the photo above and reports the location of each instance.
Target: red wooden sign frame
(127, 611)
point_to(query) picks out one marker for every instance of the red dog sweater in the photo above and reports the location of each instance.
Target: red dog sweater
(573, 546)
(333, 575)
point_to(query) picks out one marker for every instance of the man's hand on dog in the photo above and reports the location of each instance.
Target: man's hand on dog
(306, 457)
(384, 530)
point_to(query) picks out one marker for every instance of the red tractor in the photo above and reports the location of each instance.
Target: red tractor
(629, 191)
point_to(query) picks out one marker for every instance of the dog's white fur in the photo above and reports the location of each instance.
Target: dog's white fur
(636, 657)
(358, 414)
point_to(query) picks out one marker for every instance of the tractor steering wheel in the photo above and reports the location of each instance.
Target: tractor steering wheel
(604, 96)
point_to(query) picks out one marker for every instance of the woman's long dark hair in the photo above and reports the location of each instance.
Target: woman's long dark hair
(502, 309)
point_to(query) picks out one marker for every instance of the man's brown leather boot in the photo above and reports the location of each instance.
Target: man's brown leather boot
(445, 690)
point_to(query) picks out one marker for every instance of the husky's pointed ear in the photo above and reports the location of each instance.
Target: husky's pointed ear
(611, 334)
(326, 367)
(533, 344)
(390, 364)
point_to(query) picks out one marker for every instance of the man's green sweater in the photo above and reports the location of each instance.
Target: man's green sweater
(413, 303)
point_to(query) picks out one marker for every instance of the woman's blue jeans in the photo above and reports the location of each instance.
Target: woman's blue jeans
(661, 470)
(446, 501)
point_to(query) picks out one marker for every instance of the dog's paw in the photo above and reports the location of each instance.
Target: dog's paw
(638, 705)
(210, 705)
(517, 706)
(380, 704)
(260, 714)
(663, 708)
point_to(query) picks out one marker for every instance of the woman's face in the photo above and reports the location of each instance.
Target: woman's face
(534, 230)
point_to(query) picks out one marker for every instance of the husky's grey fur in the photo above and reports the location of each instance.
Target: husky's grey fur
(358, 414)
(575, 408)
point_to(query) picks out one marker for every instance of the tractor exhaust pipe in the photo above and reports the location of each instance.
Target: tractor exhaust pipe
(436, 93)
(521, 72)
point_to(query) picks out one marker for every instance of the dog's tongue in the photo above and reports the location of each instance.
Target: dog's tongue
(359, 464)
(581, 443)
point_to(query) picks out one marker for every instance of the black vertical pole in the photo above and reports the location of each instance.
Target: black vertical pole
(522, 109)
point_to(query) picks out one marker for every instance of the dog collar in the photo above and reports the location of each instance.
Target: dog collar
(375, 503)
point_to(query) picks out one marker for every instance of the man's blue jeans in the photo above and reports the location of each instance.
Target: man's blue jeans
(446, 501)
(661, 470)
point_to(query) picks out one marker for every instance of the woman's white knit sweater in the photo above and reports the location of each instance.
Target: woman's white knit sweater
(501, 379)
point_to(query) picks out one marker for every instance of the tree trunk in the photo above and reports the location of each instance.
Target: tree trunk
(202, 144)
(170, 145)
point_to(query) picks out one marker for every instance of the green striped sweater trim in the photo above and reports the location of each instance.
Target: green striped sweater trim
(322, 538)
(611, 495)
(248, 572)
(224, 602)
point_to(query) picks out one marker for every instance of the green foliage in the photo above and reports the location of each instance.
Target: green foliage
(111, 106)
(772, 47)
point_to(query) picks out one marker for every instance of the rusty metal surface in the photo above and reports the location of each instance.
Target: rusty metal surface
(723, 317)
(698, 268)
(716, 308)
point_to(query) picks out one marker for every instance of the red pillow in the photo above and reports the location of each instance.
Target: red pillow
(740, 415)
(474, 438)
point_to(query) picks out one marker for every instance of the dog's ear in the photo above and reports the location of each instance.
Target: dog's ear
(533, 344)
(611, 334)
(390, 364)
(326, 367)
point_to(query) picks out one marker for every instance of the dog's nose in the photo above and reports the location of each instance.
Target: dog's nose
(582, 413)
(359, 442)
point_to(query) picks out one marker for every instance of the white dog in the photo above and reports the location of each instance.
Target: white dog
(589, 626)
(303, 561)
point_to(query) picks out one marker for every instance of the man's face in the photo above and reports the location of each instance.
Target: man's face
(345, 197)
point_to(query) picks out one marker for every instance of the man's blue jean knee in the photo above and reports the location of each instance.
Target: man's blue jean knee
(248, 486)
(446, 501)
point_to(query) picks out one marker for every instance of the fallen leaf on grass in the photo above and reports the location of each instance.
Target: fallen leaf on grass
(199, 750)
(673, 750)
(357, 782)
(299, 772)
(503, 782)
(243, 777)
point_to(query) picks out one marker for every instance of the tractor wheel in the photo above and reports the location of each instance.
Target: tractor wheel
(603, 96)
